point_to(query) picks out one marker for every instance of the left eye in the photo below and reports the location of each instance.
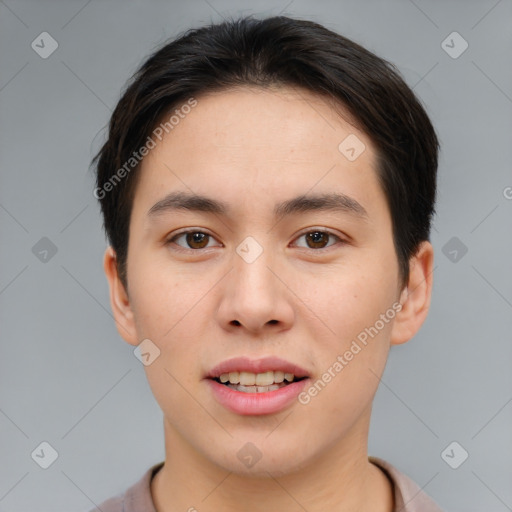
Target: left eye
(318, 239)
(194, 239)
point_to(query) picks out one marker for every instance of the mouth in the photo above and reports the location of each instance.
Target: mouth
(255, 387)
(248, 382)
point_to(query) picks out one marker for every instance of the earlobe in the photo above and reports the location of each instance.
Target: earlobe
(415, 297)
(119, 300)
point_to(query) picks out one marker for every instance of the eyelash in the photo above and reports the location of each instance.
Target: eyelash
(184, 249)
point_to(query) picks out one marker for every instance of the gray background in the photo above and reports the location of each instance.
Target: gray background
(67, 378)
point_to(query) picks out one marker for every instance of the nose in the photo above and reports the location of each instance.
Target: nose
(255, 298)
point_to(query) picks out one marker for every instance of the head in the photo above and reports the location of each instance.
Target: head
(267, 189)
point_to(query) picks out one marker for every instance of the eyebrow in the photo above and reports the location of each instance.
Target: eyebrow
(335, 202)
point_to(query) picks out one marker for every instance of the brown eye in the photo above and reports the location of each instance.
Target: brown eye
(319, 239)
(193, 240)
(197, 240)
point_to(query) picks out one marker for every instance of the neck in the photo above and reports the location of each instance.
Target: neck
(340, 479)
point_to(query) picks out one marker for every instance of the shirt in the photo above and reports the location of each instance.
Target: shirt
(408, 496)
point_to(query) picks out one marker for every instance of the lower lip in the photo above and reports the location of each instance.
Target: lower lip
(269, 402)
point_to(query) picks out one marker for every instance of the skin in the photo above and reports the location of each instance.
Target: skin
(251, 149)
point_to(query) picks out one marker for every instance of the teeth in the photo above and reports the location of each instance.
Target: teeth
(247, 379)
(256, 389)
(247, 389)
(265, 379)
(278, 377)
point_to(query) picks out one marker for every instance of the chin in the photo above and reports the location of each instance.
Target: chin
(260, 457)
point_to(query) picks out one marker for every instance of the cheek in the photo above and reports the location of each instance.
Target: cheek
(349, 298)
(356, 303)
(166, 314)
(167, 308)
(166, 300)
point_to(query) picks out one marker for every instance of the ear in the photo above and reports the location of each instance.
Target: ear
(119, 300)
(415, 297)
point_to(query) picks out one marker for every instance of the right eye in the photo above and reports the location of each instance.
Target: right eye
(194, 240)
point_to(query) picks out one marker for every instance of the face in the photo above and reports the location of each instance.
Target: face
(286, 266)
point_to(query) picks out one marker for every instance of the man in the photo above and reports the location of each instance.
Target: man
(267, 188)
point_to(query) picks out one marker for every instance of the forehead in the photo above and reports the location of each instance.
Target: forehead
(273, 119)
(244, 142)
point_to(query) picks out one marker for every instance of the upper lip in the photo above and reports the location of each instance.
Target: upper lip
(265, 364)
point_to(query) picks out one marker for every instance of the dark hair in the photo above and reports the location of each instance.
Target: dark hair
(272, 52)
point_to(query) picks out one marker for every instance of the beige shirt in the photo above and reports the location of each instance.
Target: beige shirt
(408, 496)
